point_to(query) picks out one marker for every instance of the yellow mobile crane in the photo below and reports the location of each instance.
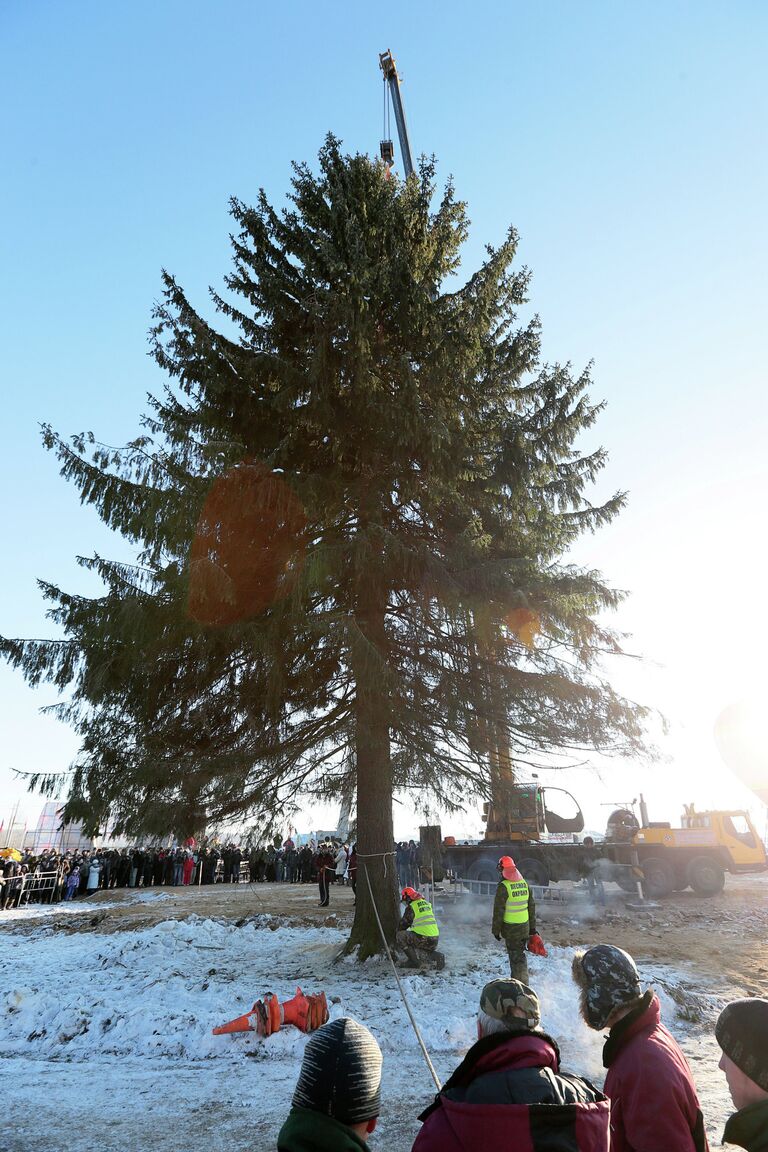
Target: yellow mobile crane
(387, 148)
(667, 859)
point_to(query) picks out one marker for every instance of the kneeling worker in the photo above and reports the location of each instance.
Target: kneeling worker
(418, 934)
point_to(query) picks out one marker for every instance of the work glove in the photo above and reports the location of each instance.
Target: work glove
(497, 935)
(536, 945)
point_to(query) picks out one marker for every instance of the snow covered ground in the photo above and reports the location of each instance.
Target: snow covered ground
(105, 1038)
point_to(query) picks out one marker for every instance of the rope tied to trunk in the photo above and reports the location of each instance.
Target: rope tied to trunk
(375, 856)
(403, 996)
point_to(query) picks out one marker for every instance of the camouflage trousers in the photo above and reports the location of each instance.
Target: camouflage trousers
(406, 940)
(515, 937)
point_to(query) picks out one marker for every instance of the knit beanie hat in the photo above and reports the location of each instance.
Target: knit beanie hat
(608, 980)
(500, 997)
(742, 1033)
(341, 1073)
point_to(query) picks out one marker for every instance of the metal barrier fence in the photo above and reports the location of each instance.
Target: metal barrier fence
(41, 887)
(219, 877)
(29, 888)
(541, 894)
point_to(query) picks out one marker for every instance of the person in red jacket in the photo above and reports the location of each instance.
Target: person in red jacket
(508, 1094)
(654, 1105)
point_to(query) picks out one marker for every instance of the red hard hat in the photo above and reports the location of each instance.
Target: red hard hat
(409, 894)
(506, 862)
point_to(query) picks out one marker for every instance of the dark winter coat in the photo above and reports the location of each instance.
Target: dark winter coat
(508, 1095)
(748, 1128)
(309, 1131)
(324, 864)
(653, 1098)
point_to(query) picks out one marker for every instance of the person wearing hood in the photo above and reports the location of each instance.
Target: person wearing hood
(514, 918)
(338, 1094)
(73, 880)
(94, 875)
(654, 1104)
(342, 856)
(742, 1033)
(509, 1093)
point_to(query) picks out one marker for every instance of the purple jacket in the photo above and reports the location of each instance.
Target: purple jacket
(508, 1095)
(653, 1098)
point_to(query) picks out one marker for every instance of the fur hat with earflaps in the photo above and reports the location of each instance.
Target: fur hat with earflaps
(608, 980)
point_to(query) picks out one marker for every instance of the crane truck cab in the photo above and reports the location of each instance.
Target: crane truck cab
(531, 812)
(699, 852)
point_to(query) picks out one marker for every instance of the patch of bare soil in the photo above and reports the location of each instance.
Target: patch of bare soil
(723, 936)
(126, 909)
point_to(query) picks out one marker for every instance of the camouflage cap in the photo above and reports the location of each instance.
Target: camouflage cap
(499, 997)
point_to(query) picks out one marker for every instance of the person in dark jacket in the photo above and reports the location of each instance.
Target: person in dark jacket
(508, 1093)
(305, 865)
(352, 871)
(742, 1033)
(654, 1104)
(338, 1094)
(325, 864)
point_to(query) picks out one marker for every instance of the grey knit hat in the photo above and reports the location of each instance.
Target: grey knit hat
(742, 1033)
(499, 998)
(341, 1073)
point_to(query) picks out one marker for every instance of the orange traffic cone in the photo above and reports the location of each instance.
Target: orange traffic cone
(268, 1015)
(296, 1011)
(274, 1014)
(246, 1023)
(318, 1010)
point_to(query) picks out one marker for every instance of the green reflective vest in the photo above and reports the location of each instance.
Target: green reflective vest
(516, 908)
(424, 923)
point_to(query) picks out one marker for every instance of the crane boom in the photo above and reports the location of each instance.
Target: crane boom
(387, 65)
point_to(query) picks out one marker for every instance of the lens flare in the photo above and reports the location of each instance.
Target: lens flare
(248, 548)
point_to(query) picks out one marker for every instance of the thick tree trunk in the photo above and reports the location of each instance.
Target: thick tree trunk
(375, 837)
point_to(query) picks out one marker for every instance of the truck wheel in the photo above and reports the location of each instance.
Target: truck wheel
(626, 879)
(484, 870)
(706, 876)
(534, 871)
(659, 876)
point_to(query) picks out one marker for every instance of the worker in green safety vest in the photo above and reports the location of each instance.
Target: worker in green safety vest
(514, 919)
(418, 934)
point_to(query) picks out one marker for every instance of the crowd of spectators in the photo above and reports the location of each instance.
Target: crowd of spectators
(51, 877)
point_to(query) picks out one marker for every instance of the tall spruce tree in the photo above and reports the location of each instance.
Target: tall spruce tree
(344, 510)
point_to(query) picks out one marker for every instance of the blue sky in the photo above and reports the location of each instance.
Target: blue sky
(627, 144)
